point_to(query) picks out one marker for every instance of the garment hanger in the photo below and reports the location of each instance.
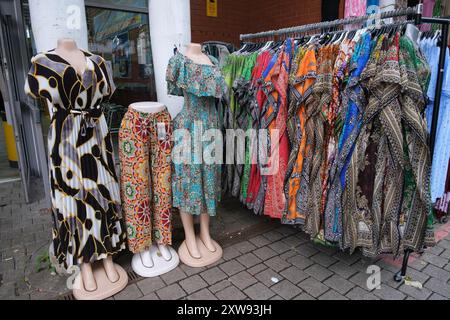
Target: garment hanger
(342, 36)
(266, 46)
(243, 48)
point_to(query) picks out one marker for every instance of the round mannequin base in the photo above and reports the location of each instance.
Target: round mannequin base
(160, 265)
(105, 288)
(207, 257)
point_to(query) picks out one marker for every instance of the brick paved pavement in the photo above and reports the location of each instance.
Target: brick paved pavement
(262, 260)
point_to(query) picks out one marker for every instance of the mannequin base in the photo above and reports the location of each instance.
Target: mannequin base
(207, 257)
(160, 265)
(105, 288)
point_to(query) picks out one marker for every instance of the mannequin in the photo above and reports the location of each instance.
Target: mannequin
(148, 263)
(96, 282)
(203, 250)
(195, 53)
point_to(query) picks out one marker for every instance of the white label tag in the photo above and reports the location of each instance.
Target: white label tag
(161, 131)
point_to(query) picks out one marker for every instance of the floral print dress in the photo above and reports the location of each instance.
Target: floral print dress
(195, 180)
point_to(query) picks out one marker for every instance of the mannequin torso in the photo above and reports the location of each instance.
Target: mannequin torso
(194, 52)
(68, 50)
(148, 107)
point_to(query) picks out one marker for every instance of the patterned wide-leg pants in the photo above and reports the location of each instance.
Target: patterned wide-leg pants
(145, 146)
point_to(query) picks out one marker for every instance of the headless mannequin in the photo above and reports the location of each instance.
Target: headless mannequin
(145, 256)
(68, 50)
(194, 52)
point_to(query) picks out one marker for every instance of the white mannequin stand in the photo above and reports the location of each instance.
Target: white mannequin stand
(159, 259)
(198, 251)
(96, 281)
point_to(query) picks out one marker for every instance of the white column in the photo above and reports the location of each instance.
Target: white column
(170, 25)
(52, 20)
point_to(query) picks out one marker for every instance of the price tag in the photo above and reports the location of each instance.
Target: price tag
(161, 126)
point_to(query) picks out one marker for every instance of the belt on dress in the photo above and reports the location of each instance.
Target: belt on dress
(87, 120)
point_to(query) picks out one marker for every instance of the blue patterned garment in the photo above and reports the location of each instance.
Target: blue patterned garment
(195, 182)
(442, 146)
(354, 109)
(353, 103)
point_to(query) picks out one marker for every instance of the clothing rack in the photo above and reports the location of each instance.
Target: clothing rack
(416, 13)
(328, 24)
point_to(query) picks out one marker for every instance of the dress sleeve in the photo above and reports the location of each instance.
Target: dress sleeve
(109, 79)
(172, 77)
(31, 82)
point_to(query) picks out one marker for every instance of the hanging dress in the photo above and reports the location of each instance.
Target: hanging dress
(354, 100)
(297, 177)
(195, 180)
(256, 187)
(84, 187)
(275, 118)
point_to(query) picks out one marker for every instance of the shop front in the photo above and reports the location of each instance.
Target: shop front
(118, 31)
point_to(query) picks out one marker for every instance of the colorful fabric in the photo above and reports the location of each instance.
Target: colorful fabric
(256, 188)
(195, 182)
(354, 101)
(84, 188)
(275, 118)
(296, 186)
(145, 146)
(416, 210)
(356, 156)
(354, 8)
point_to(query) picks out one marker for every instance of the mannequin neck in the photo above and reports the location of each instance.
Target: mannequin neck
(67, 44)
(194, 49)
(195, 53)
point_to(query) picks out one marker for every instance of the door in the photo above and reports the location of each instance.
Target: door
(24, 115)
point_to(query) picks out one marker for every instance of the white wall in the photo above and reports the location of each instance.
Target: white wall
(170, 24)
(51, 20)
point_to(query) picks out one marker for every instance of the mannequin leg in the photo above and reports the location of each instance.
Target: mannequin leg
(165, 252)
(204, 232)
(110, 269)
(87, 275)
(191, 243)
(146, 259)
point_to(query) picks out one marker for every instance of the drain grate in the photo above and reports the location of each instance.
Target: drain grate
(133, 277)
(66, 297)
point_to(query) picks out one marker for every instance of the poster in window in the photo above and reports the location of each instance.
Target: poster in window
(121, 56)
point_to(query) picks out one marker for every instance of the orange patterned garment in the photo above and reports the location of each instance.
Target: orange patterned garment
(144, 143)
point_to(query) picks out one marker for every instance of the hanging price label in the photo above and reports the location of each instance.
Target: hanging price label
(211, 8)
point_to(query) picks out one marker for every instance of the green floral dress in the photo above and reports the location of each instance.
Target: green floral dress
(195, 179)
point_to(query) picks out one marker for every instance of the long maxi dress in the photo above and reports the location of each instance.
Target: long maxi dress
(85, 193)
(195, 181)
(275, 118)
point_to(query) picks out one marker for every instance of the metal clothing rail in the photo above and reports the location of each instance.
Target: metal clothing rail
(444, 22)
(330, 24)
(416, 12)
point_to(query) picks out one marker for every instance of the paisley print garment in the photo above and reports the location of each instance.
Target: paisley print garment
(145, 146)
(275, 120)
(195, 181)
(297, 178)
(256, 187)
(84, 188)
(353, 100)
(416, 218)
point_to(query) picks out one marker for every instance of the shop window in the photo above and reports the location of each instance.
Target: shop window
(132, 4)
(123, 39)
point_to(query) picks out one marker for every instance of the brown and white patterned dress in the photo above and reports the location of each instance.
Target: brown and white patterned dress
(84, 187)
